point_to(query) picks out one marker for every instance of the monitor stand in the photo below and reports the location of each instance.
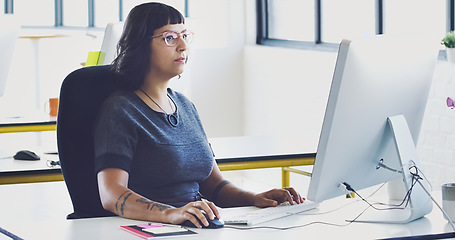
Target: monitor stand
(420, 202)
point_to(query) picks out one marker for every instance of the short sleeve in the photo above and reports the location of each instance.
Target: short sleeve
(115, 137)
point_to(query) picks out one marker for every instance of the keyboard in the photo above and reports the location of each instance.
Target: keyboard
(268, 214)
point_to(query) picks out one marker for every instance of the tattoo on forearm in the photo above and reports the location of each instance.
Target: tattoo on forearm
(151, 204)
(128, 193)
(218, 188)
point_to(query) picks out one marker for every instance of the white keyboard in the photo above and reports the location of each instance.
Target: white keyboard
(268, 214)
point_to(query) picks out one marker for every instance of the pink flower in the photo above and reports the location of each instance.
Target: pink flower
(450, 103)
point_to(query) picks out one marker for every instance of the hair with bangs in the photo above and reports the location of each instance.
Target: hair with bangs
(133, 50)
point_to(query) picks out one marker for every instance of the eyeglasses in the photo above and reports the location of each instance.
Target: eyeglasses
(171, 38)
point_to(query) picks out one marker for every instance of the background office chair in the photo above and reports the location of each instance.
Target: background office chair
(108, 51)
(81, 94)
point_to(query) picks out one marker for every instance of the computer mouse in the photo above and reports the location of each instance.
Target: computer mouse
(26, 155)
(215, 223)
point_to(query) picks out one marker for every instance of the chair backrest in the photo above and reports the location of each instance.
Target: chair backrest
(82, 93)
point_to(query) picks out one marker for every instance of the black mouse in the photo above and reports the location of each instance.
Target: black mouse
(215, 223)
(26, 155)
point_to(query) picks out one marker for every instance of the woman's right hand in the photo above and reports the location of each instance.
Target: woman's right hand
(192, 212)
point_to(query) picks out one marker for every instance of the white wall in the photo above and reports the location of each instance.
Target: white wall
(216, 69)
(437, 135)
(286, 90)
(240, 88)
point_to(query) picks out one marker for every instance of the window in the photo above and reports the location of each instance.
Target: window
(347, 19)
(106, 11)
(129, 4)
(75, 13)
(7, 7)
(415, 16)
(27, 12)
(309, 23)
(284, 16)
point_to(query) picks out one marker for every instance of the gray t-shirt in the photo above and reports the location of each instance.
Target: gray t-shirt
(163, 161)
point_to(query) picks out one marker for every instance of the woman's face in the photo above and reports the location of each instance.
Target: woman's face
(168, 61)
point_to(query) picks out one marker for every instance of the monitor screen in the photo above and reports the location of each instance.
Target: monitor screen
(374, 79)
(9, 32)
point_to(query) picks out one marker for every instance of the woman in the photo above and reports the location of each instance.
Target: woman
(153, 160)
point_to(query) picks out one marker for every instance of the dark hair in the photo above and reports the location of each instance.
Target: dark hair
(133, 61)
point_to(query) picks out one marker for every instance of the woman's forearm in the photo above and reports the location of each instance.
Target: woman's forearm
(128, 204)
(232, 196)
(116, 197)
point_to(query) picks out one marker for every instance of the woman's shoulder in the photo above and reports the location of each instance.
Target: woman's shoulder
(122, 96)
(121, 99)
(180, 97)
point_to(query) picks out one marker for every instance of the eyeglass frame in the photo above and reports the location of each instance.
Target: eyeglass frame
(180, 36)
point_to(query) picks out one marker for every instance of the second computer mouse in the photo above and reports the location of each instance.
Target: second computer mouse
(26, 155)
(215, 223)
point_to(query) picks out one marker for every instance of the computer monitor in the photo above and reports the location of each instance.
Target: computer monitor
(9, 32)
(372, 121)
(112, 35)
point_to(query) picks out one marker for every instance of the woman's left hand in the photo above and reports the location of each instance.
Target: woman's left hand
(274, 197)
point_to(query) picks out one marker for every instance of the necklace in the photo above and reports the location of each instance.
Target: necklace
(171, 118)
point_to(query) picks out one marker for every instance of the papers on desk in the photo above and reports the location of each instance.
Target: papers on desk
(152, 230)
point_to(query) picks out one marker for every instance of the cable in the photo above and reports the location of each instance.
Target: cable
(52, 164)
(287, 228)
(440, 208)
(373, 193)
(433, 200)
(415, 178)
(9, 234)
(300, 226)
(330, 211)
(405, 200)
(381, 164)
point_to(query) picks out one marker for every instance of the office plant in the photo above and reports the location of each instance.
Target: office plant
(449, 42)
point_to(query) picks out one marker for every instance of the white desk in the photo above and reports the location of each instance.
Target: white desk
(14, 171)
(38, 211)
(20, 171)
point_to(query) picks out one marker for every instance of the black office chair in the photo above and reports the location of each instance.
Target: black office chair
(81, 94)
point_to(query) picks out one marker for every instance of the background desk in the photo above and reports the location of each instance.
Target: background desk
(231, 153)
(252, 152)
(13, 171)
(19, 171)
(38, 211)
(34, 126)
